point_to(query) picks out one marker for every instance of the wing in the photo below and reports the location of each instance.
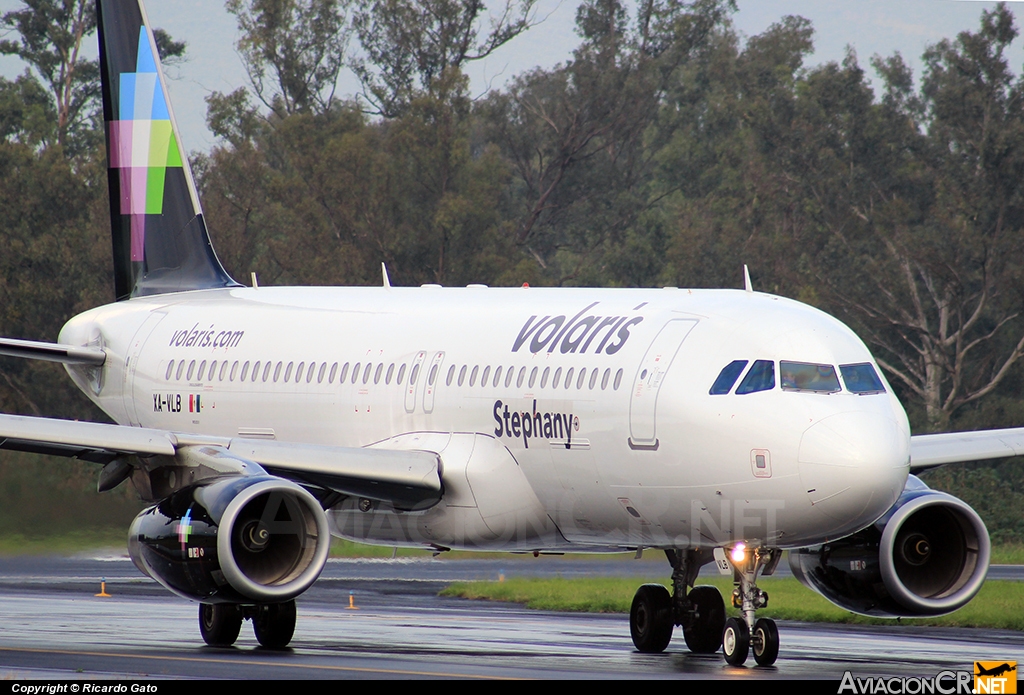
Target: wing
(408, 479)
(929, 450)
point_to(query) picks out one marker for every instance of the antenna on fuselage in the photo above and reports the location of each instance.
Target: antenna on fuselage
(746, 279)
(384, 272)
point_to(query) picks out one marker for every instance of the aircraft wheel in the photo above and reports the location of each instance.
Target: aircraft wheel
(735, 641)
(274, 624)
(650, 619)
(766, 642)
(704, 636)
(219, 623)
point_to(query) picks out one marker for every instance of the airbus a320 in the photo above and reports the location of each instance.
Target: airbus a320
(720, 426)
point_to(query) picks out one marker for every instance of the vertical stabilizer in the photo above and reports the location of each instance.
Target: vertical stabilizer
(160, 239)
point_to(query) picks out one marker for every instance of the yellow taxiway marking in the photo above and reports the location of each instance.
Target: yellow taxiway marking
(248, 662)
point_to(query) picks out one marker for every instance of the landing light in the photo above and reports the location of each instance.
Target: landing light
(739, 552)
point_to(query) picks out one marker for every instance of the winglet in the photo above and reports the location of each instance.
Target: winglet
(384, 272)
(746, 279)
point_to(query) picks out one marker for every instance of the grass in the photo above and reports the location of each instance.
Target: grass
(69, 543)
(1000, 604)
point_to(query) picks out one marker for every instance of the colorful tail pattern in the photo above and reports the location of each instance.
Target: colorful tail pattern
(160, 239)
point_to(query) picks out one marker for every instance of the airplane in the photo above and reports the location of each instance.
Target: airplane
(718, 426)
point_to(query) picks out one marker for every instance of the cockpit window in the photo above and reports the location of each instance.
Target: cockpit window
(861, 378)
(727, 377)
(801, 376)
(761, 377)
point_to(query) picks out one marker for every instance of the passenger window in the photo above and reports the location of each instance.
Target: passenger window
(497, 377)
(861, 378)
(727, 377)
(298, 372)
(355, 372)
(533, 377)
(245, 370)
(486, 375)
(391, 373)
(451, 375)
(202, 370)
(761, 377)
(181, 366)
(212, 373)
(582, 377)
(320, 374)
(334, 373)
(366, 372)
(519, 379)
(593, 380)
(401, 374)
(618, 380)
(430, 381)
(266, 370)
(287, 371)
(568, 378)
(801, 376)
(472, 377)
(191, 370)
(557, 378)
(605, 378)
(344, 373)
(380, 370)
(170, 368)
(224, 370)
(310, 370)
(544, 377)
(508, 376)
(415, 373)
(234, 371)
(462, 375)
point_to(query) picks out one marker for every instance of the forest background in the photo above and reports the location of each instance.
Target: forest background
(666, 152)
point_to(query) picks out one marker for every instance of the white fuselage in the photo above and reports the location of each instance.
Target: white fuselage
(630, 450)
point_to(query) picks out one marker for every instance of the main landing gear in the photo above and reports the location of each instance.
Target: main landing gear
(701, 611)
(273, 623)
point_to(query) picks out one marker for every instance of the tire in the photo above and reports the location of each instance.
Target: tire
(736, 641)
(650, 619)
(274, 624)
(219, 623)
(765, 642)
(704, 635)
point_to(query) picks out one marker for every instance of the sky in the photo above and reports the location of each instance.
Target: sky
(869, 26)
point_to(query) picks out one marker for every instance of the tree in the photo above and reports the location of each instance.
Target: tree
(410, 45)
(293, 51)
(943, 307)
(50, 35)
(575, 137)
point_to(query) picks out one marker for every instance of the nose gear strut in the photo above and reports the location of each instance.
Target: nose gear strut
(746, 633)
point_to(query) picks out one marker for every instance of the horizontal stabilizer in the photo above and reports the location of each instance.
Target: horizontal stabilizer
(929, 450)
(52, 352)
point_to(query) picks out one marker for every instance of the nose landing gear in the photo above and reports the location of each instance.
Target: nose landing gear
(743, 634)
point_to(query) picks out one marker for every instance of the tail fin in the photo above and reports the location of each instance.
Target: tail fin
(161, 243)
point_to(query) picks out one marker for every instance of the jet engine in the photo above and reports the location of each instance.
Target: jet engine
(235, 539)
(928, 555)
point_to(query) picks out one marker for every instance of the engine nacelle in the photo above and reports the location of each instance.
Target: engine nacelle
(928, 555)
(237, 539)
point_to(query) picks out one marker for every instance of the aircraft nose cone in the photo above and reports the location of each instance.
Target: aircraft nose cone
(853, 467)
